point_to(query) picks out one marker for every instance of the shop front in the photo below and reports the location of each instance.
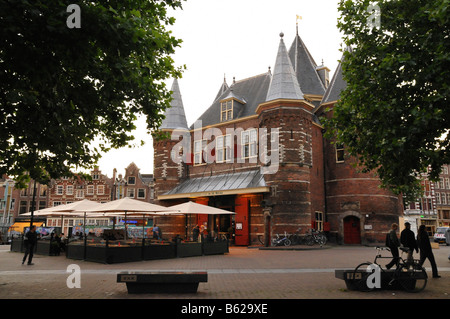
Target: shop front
(241, 193)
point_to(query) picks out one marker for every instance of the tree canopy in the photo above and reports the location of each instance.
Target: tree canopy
(394, 114)
(62, 87)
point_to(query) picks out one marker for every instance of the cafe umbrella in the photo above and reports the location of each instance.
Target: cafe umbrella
(129, 206)
(189, 208)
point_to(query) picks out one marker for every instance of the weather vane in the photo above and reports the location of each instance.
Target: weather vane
(298, 18)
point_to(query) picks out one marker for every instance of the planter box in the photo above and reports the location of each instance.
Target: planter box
(75, 251)
(189, 249)
(159, 251)
(43, 247)
(17, 245)
(215, 248)
(112, 255)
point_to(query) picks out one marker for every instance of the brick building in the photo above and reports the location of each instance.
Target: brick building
(442, 193)
(259, 151)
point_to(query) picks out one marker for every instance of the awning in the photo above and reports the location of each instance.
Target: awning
(247, 182)
(20, 226)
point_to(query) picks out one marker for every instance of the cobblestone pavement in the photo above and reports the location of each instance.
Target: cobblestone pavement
(243, 273)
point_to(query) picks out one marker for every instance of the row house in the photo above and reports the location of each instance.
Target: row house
(133, 184)
(442, 191)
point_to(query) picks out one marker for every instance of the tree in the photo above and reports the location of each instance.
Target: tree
(71, 75)
(394, 114)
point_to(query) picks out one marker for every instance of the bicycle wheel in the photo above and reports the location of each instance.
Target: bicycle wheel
(295, 240)
(309, 240)
(360, 276)
(322, 240)
(413, 278)
(287, 242)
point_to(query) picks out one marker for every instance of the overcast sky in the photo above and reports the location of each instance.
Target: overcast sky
(234, 38)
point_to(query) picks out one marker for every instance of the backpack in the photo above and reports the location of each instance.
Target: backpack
(388, 240)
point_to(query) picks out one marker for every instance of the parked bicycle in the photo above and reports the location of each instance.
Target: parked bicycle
(411, 277)
(280, 241)
(315, 237)
(296, 238)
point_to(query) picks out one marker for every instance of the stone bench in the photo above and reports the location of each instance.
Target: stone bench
(161, 282)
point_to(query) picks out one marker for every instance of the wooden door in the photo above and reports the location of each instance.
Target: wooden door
(241, 221)
(352, 230)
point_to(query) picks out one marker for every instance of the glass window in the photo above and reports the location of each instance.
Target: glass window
(90, 190)
(200, 152)
(223, 148)
(100, 189)
(141, 193)
(226, 112)
(339, 153)
(249, 143)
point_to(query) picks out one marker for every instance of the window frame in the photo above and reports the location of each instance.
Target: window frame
(340, 153)
(226, 110)
(203, 146)
(249, 148)
(223, 151)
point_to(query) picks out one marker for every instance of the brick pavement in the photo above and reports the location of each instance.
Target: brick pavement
(244, 273)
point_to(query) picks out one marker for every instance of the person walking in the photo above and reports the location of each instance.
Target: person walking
(423, 242)
(30, 243)
(393, 243)
(408, 240)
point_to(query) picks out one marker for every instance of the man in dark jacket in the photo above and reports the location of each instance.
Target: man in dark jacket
(30, 243)
(407, 240)
(393, 243)
(426, 251)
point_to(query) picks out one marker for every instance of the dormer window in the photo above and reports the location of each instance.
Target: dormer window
(226, 110)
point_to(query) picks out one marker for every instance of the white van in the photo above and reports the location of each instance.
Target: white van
(439, 235)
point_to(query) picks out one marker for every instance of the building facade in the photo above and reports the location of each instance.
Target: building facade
(259, 151)
(442, 192)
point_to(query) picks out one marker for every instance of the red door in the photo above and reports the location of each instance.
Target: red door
(241, 222)
(352, 230)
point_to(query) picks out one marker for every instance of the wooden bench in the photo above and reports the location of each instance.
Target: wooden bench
(161, 282)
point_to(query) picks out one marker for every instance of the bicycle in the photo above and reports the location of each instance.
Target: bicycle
(296, 239)
(411, 277)
(280, 241)
(315, 237)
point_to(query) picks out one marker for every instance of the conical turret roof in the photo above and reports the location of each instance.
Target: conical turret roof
(175, 116)
(284, 83)
(305, 68)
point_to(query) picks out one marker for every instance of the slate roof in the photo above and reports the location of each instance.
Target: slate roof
(175, 116)
(337, 85)
(284, 83)
(302, 75)
(305, 68)
(252, 91)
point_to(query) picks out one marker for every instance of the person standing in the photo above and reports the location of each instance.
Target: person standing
(423, 241)
(393, 243)
(156, 232)
(30, 243)
(407, 240)
(195, 233)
